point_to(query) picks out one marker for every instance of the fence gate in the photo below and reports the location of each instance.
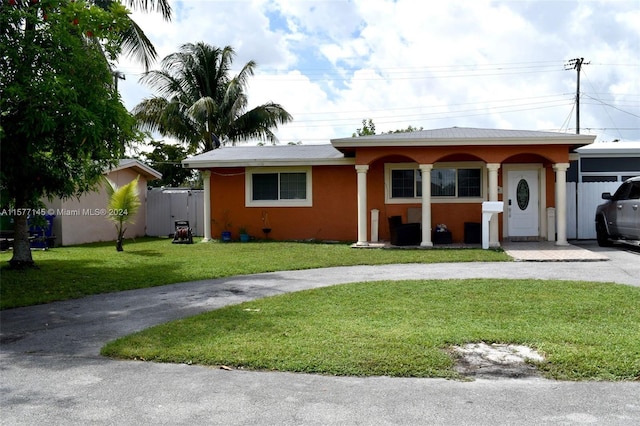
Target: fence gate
(166, 205)
(582, 200)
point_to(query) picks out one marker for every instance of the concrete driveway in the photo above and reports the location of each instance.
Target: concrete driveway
(52, 373)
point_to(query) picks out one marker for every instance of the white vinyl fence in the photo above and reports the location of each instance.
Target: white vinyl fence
(582, 200)
(166, 205)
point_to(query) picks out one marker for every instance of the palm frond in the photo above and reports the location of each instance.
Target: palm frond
(201, 99)
(149, 113)
(124, 201)
(258, 122)
(161, 6)
(136, 44)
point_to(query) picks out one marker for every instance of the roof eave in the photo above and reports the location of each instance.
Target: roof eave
(564, 140)
(140, 168)
(209, 164)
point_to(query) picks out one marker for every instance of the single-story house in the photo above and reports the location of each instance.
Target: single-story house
(350, 189)
(82, 220)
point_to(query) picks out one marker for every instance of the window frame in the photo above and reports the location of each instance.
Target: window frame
(306, 202)
(388, 167)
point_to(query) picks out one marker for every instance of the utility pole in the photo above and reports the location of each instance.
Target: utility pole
(576, 64)
(117, 75)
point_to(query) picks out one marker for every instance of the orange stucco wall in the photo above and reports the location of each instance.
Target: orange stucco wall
(333, 215)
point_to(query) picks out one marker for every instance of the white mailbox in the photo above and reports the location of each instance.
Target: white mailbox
(489, 208)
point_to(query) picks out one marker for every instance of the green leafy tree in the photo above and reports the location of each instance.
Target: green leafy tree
(407, 130)
(124, 203)
(62, 123)
(201, 105)
(367, 129)
(166, 158)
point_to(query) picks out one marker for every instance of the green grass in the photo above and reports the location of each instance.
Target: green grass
(73, 272)
(586, 331)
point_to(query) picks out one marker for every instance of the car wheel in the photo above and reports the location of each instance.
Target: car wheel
(601, 234)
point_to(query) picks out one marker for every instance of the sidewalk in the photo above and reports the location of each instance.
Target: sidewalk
(52, 373)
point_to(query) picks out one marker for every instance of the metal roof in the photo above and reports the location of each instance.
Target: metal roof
(464, 135)
(610, 149)
(271, 155)
(334, 153)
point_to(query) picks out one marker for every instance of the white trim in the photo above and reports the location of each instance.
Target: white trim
(204, 164)
(436, 200)
(248, 180)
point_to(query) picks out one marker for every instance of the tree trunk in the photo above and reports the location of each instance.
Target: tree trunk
(21, 250)
(120, 236)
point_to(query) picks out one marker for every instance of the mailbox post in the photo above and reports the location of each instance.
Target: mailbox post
(489, 208)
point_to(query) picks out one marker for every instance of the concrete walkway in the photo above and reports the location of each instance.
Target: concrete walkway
(52, 373)
(548, 251)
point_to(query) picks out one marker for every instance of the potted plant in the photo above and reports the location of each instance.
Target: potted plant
(244, 234)
(225, 233)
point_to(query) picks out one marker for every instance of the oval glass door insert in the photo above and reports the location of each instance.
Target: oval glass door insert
(523, 194)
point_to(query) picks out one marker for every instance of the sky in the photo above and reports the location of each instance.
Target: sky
(453, 63)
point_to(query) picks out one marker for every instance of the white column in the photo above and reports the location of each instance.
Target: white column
(206, 179)
(494, 235)
(561, 203)
(426, 205)
(362, 204)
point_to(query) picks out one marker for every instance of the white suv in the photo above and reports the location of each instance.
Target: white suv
(619, 217)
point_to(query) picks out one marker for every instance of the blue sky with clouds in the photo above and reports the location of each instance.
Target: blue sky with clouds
(465, 63)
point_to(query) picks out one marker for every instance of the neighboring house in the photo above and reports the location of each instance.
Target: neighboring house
(606, 162)
(83, 220)
(348, 190)
(596, 168)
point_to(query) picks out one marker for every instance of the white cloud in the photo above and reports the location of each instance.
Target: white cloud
(456, 63)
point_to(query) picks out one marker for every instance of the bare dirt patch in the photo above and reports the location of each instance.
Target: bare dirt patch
(496, 360)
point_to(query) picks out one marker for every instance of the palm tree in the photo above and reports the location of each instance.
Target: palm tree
(123, 205)
(199, 104)
(133, 41)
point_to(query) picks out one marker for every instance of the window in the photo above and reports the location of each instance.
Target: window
(599, 178)
(634, 194)
(265, 186)
(278, 187)
(469, 183)
(405, 182)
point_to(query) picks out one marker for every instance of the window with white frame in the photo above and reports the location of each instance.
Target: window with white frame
(451, 181)
(278, 187)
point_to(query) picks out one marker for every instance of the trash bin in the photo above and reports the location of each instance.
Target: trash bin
(42, 235)
(472, 233)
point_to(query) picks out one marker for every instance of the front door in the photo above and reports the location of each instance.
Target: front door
(522, 204)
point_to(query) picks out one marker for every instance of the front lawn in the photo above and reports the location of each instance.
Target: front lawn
(73, 272)
(586, 331)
